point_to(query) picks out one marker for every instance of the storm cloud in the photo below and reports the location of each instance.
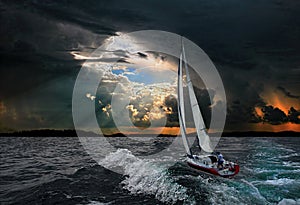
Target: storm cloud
(276, 116)
(287, 93)
(294, 115)
(273, 115)
(251, 53)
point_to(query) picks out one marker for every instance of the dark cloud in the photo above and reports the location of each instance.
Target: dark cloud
(203, 99)
(102, 102)
(287, 93)
(205, 103)
(170, 103)
(273, 115)
(294, 115)
(254, 118)
(250, 51)
(34, 50)
(242, 97)
(142, 55)
(159, 55)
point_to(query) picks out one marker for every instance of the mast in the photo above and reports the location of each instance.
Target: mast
(203, 137)
(181, 113)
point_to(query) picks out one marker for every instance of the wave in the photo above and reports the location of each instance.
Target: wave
(225, 194)
(256, 190)
(147, 177)
(292, 165)
(97, 203)
(289, 202)
(276, 182)
(288, 155)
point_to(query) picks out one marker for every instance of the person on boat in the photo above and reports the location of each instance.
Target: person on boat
(220, 160)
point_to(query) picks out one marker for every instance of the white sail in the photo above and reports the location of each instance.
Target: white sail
(203, 138)
(181, 113)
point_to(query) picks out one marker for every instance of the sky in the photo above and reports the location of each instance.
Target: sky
(254, 45)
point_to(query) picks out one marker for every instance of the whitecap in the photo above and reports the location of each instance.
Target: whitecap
(147, 177)
(97, 203)
(276, 182)
(289, 202)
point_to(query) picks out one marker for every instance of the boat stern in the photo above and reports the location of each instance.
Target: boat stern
(236, 169)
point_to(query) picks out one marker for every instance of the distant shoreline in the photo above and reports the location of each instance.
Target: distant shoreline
(72, 133)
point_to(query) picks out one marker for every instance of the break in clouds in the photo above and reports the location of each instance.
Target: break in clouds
(44, 44)
(141, 91)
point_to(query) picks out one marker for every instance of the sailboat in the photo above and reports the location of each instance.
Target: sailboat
(208, 162)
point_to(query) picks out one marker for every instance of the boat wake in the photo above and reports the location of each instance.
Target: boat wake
(147, 177)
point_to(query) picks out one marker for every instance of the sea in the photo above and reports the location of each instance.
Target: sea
(58, 170)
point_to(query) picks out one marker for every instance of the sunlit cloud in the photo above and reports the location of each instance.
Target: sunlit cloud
(90, 96)
(100, 102)
(145, 81)
(278, 99)
(107, 110)
(280, 113)
(79, 55)
(148, 103)
(258, 113)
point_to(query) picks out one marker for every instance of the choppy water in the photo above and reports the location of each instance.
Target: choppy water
(59, 171)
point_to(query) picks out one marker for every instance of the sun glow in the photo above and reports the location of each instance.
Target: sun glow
(275, 128)
(151, 131)
(258, 112)
(279, 100)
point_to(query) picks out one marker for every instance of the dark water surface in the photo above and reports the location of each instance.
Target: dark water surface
(59, 171)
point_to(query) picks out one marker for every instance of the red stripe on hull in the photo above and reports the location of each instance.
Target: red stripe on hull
(215, 171)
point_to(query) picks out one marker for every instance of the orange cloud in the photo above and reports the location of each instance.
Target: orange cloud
(258, 112)
(277, 99)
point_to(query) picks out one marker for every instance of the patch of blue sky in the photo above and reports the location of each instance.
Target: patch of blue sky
(122, 71)
(145, 76)
(130, 69)
(118, 72)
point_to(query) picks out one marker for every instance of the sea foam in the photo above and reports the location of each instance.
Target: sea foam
(147, 177)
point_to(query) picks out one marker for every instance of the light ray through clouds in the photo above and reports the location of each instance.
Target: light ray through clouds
(139, 72)
(146, 81)
(44, 45)
(151, 69)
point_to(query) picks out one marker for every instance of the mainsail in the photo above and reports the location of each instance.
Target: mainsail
(181, 112)
(202, 135)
